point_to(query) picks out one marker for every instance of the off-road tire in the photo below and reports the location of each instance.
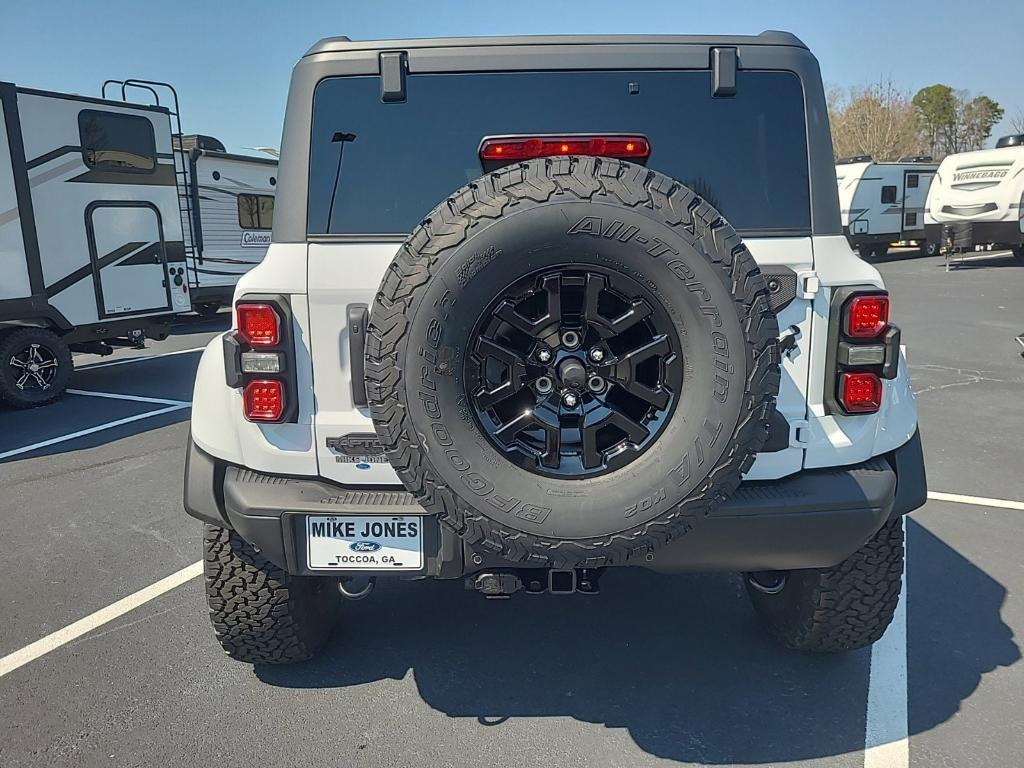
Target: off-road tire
(261, 614)
(842, 608)
(11, 342)
(393, 363)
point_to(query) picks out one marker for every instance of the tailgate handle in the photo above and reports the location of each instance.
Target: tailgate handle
(357, 319)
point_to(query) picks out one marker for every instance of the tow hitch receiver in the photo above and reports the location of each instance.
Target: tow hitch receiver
(558, 582)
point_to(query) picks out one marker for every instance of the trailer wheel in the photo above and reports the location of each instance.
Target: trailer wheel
(207, 309)
(35, 366)
(1018, 253)
(873, 250)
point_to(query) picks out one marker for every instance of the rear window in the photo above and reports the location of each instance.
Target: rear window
(746, 154)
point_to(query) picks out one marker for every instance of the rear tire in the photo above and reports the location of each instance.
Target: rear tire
(836, 609)
(1018, 253)
(261, 614)
(25, 348)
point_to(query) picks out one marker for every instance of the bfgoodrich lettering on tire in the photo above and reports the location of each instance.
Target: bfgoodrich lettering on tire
(571, 361)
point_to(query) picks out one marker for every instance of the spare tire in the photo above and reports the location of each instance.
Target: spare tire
(571, 361)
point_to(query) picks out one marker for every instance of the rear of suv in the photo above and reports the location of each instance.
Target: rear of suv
(539, 308)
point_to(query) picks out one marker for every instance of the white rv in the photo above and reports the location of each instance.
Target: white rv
(978, 198)
(232, 202)
(91, 233)
(883, 203)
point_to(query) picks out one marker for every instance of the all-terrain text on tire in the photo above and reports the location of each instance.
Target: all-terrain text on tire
(609, 320)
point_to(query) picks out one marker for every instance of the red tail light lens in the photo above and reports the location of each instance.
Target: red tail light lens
(860, 392)
(258, 325)
(264, 400)
(867, 317)
(528, 147)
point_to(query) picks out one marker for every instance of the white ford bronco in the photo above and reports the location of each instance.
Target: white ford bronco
(538, 308)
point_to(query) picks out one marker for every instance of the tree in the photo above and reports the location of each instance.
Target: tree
(977, 118)
(1017, 122)
(936, 114)
(878, 120)
(954, 121)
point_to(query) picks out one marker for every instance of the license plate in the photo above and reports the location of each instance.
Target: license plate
(377, 543)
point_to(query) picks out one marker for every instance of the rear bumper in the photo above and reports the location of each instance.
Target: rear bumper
(1005, 233)
(813, 519)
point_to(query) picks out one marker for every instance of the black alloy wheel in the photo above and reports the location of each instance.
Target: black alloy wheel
(34, 367)
(574, 372)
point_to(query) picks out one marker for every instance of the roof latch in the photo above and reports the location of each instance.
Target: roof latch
(393, 65)
(723, 71)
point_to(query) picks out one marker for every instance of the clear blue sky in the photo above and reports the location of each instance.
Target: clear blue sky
(231, 61)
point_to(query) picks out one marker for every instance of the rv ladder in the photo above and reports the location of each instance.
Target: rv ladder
(182, 178)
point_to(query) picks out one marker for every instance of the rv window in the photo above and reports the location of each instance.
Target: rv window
(910, 220)
(888, 194)
(912, 181)
(256, 211)
(112, 141)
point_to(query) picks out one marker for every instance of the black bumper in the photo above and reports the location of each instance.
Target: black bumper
(813, 519)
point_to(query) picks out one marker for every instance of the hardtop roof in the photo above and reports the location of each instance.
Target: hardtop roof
(342, 44)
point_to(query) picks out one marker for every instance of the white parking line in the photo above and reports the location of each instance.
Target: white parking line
(979, 501)
(132, 398)
(143, 358)
(91, 430)
(886, 742)
(103, 616)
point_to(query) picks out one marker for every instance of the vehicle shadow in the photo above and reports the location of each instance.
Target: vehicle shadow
(677, 661)
(898, 254)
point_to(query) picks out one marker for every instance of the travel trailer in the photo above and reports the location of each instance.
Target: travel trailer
(883, 203)
(978, 198)
(232, 202)
(92, 233)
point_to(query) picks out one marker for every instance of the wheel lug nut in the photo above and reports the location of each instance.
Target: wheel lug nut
(595, 384)
(569, 399)
(597, 354)
(570, 339)
(544, 355)
(543, 385)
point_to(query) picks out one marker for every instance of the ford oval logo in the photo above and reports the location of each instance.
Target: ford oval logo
(364, 546)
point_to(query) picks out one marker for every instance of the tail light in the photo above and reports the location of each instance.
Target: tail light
(511, 148)
(264, 400)
(860, 392)
(258, 324)
(259, 359)
(866, 317)
(864, 350)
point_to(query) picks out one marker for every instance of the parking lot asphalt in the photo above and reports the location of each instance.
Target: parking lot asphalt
(654, 671)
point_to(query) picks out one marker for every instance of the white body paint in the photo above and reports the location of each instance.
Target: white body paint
(324, 280)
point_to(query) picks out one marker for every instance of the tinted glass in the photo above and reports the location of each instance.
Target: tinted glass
(888, 194)
(912, 181)
(115, 142)
(255, 211)
(746, 154)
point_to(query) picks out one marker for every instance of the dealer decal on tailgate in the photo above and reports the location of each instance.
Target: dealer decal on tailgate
(365, 543)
